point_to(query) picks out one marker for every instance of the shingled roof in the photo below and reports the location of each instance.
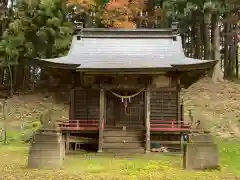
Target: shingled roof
(108, 49)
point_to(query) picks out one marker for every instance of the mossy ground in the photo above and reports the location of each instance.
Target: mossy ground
(105, 166)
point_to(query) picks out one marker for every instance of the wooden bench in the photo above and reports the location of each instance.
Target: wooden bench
(78, 141)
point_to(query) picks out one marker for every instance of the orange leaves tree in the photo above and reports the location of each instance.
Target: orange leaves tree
(113, 13)
(122, 13)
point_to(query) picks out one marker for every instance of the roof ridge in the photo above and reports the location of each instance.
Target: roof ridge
(125, 30)
(80, 31)
(124, 33)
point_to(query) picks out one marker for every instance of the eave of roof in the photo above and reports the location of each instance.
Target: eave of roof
(54, 63)
(203, 64)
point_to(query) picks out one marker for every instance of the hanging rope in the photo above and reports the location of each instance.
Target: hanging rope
(126, 97)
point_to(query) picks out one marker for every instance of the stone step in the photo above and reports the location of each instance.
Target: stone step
(122, 138)
(121, 145)
(115, 133)
(119, 151)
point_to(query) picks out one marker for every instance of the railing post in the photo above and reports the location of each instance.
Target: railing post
(172, 124)
(77, 124)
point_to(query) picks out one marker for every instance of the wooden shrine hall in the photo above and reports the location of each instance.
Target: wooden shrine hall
(126, 88)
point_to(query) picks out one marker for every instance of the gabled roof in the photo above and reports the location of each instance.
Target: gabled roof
(109, 49)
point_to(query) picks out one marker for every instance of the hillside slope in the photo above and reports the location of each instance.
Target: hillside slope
(23, 114)
(216, 105)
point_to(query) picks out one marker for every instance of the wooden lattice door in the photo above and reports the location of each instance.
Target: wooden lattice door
(131, 115)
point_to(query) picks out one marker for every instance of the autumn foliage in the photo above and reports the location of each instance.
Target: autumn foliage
(116, 13)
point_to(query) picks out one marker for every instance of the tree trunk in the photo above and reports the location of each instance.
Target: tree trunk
(1, 75)
(236, 62)
(217, 74)
(4, 130)
(193, 40)
(88, 20)
(226, 49)
(198, 41)
(206, 38)
(197, 36)
(20, 75)
(10, 72)
(189, 47)
(150, 12)
(232, 59)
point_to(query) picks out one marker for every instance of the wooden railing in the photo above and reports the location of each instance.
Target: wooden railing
(79, 125)
(93, 125)
(169, 125)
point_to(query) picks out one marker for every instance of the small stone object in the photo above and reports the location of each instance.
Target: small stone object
(161, 149)
(46, 120)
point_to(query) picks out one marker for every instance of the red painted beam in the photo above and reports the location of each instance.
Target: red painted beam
(170, 129)
(80, 124)
(80, 128)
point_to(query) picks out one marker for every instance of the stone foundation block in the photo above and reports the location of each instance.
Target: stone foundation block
(47, 150)
(201, 156)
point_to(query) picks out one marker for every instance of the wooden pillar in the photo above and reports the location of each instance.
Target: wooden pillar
(72, 105)
(67, 139)
(101, 120)
(178, 118)
(105, 107)
(147, 119)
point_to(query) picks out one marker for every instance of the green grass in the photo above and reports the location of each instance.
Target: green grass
(102, 166)
(230, 155)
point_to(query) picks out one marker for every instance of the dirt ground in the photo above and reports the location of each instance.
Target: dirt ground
(214, 104)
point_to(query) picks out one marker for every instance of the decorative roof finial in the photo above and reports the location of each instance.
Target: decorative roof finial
(174, 25)
(174, 28)
(79, 29)
(78, 24)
